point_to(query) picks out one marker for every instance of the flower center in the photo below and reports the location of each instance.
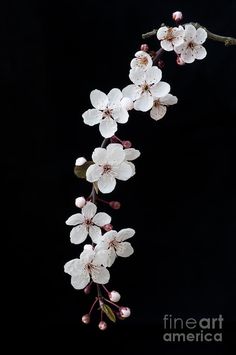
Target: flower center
(106, 168)
(88, 223)
(145, 88)
(143, 60)
(169, 36)
(157, 103)
(113, 244)
(107, 113)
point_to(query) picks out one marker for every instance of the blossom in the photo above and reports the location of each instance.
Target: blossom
(130, 155)
(88, 265)
(87, 223)
(159, 108)
(170, 37)
(192, 48)
(113, 244)
(107, 111)
(142, 60)
(109, 165)
(147, 85)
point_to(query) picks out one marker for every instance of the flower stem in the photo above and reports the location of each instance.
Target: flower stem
(228, 41)
(106, 289)
(96, 299)
(114, 304)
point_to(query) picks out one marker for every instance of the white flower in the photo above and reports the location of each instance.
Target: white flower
(192, 47)
(160, 106)
(170, 37)
(143, 60)
(80, 161)
(147, 85)
(107, 111)
(87, 223)
(109, 165)
(87, 265)
(113, 244)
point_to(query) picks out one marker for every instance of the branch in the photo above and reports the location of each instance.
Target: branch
(228, 41)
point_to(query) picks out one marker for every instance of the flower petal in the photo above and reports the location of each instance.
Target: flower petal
(92, 116)
(124, 249)
(87, 254)
(123, 171)
(200, 52)
(158, 111)
(132, 166)
(101, 219)
(75, 219)
(95, 233)
(109, 236)
(180, 48)
(110, 257)
(131, 153)
(98, 99)
(100, 275)
(201, 36)
(132, 91)
(73, 267)
(78, 234)
(143, 60)
(115, 154)
(120, 114)
(114, 98)
(168, 100)
(162, 32)
(137, 76)
(80, 281)
(99, 156)
(106, 183)
(153, 75)
(93, 173)
(107, 127)
(188, 55)
(125, 234)
(161, 89)
(167, 45)
(190, 32)
(144, 103)
(89, 210)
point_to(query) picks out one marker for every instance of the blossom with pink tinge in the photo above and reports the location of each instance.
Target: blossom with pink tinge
(160, 105)
(170, 37)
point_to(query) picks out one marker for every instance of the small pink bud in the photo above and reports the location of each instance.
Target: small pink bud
(127, 103)
(80, 161)
(127, 144)
(86, 319)
(144, 47)
(80, 202)
(108, 227)
(114, 296)
(161, 64)
(102, 325)
(179, 61)
(115, 205)
(125, 312)
(87, 289)
(177, 16)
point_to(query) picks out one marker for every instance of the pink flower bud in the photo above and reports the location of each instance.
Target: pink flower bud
(87, 289)
(127, 144)
(80, 201)
(80, 161)
(127, 103)
(125, 312)
(177, 16)
(86, 319)
(115, 205)
(108, 227)
(144, 47)
(161, 64)
(102, 325)
(114, 296)
(179, 61)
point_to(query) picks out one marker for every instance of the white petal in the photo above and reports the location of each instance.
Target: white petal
(167, 45)
(75, 219)
(158, 112)
(144, 103)
(109, 236)
(101, 219)
(180, 48)
(73, 267)
(201, 36)
(92, 117)
(115, 153)
(99, 156)
(161, 33)
(95, 233)
(168, 100)
(177, 41)
(132, 91)
(153, 75)
(143, 60)
(131, 153)
(124, 249)
(132, 166)
(125, 234)
(100, 275)
(188, 55)
(120, 114)
(110, 257)
(89, 210)
(87, 254)
(200, 52)
(80, 281)
(127, 103)
(93, 173)
(98, 99)
(106, 183)
(78, 234)
(107, 127)
(137, 76)
(190, 32)
(161, 89)
(123, 171)
(114, 97)
(100, 257)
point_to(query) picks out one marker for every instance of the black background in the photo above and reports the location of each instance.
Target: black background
(181, 201)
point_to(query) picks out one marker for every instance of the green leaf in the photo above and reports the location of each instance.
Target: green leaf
(80, 171)
(109, 312)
